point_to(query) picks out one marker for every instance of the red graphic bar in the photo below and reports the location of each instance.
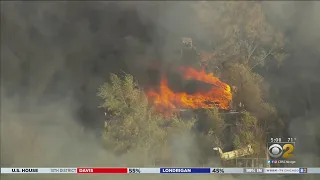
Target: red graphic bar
(102, 170)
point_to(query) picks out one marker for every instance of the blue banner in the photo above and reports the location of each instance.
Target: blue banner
(184, 170)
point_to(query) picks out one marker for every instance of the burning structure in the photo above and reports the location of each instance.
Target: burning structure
(183, 87)
(200, 90)
(187, 91)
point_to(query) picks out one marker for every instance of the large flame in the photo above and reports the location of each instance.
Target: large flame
(166, 100)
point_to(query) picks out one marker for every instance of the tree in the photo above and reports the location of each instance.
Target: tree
(249, 132)
(243, 44)
(210, 132)
(240, 33)
(134, 125)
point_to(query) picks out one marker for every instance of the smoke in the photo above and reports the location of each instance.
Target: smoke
(297, 80)
(54, 57)
(48, 135)
(56, 54)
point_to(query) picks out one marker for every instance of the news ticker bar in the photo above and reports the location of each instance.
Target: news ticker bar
(99, 170)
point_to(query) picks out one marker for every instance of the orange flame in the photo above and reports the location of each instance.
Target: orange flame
(166, 100)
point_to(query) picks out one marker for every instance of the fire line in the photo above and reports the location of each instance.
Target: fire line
(165, 99)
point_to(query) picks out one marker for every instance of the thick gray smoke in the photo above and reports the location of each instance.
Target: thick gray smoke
(54, 56)
(297, 83)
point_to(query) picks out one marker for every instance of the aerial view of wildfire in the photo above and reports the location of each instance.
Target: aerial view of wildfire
(166, 87)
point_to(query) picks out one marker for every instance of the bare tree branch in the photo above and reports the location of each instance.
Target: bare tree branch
(261, 59)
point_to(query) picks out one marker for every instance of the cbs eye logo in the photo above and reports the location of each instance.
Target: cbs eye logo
(281, 150)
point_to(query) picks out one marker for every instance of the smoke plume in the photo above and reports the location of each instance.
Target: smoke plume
(298, 75)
